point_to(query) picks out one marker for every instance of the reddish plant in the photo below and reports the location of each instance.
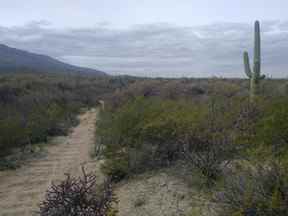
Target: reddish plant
(78, 197)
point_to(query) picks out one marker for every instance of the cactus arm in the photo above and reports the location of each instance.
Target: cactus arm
(247, 65)
(262, 77)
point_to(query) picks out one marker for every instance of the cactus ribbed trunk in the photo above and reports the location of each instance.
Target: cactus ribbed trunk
(253, 88)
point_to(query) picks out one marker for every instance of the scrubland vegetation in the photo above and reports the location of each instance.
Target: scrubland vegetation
(239, 148)
(34, 107)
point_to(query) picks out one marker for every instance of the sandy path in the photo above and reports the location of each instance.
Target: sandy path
(22, 189)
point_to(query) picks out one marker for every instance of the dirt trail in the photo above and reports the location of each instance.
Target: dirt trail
(22, 189)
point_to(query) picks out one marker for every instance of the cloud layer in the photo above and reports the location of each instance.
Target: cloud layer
(158, 49)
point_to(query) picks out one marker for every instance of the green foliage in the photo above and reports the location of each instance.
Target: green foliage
(215, 132)
(144, 133)
(262, 191)
(271, 131)
(36, 106)
(11, 132)
(147, 133)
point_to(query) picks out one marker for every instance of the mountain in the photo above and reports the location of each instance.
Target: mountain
(12, 60)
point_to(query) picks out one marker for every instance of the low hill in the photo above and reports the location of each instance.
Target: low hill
(14, 60)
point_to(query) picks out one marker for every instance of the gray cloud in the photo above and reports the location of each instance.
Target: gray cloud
(157, 49)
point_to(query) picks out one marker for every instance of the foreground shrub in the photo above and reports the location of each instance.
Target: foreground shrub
(78, 197)
(260, 191)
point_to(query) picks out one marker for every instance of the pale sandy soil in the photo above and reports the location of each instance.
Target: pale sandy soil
(22, 189)
(161, 193)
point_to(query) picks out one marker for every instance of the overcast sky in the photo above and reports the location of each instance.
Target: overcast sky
(150, 37)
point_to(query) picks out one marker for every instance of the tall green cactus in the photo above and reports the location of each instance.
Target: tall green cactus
(255, 75)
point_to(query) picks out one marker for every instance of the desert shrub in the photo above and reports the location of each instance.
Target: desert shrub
(151, 132)
(272, 129)
(36, 106)
(214, 132)
(260, 191)
(141, 134)
(217, 138)
(12, 133)
(78, 196)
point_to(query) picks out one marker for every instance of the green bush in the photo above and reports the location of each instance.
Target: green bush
(148, 133)
(140, 134)
(12, 134)
(272, 129)
(36, 106)
(260, 191)
(211, 130)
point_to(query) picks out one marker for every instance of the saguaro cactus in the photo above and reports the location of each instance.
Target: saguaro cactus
(255, 75)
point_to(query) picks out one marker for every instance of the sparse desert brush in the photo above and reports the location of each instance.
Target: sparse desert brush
(259, 191)
(134, 136)
(147, 133)
(267, 136)
(272, 129)
(35, 106)
(78, 196)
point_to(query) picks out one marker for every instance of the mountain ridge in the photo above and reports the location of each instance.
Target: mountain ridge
(13, 59)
